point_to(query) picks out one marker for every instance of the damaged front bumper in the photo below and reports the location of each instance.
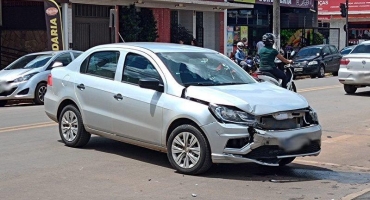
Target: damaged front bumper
(232, 143)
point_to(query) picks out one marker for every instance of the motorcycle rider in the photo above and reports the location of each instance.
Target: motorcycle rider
(240, 56)
(267, 56)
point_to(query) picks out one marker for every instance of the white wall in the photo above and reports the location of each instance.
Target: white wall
(337, 23)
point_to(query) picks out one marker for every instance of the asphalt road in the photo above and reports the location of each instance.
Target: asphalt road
(35, 164)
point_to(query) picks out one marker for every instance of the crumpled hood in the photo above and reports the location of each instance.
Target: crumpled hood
(9, 75)
(257, 98)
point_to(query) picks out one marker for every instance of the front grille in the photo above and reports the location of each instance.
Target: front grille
(270, 123)
(272, 151)
(7, 93)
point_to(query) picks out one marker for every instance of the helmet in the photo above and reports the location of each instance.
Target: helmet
(240, 45)
(268, 39)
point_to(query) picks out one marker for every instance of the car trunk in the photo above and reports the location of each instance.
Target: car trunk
(358, 62)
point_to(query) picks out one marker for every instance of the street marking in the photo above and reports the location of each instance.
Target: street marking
(331, 164)
(28, 126)
(319, 88)
(356, 194)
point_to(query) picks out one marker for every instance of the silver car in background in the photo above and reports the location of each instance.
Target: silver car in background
(26, 77)
(195, 104)
(354, 71)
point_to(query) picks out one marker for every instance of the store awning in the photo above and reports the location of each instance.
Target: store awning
(197, 5)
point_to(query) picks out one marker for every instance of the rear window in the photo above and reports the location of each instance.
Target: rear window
(362, 48)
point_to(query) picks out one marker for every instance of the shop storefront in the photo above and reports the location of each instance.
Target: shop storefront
(358, 19)
(253, 23)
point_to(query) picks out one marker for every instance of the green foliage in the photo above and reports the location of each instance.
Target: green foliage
(137, 26)
(149, 32)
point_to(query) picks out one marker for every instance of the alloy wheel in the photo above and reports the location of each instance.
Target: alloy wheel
(69, 126)
(41, 93)
(186, 150)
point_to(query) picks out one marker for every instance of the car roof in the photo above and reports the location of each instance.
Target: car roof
(158, 47)
(53, 52)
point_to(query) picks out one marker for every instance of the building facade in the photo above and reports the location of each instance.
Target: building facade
(358, 19)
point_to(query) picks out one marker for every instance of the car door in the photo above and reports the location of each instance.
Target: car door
(95, 89)
(139, 113)
(336, 58)
(327, 58)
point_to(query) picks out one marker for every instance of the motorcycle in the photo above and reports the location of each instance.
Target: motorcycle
(265, 76)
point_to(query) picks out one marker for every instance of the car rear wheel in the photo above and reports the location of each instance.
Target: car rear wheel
(40, 93)
(71, 128)
(321, 72)
(188, 150)
(285, 161)
(350, 89)
(3, 103)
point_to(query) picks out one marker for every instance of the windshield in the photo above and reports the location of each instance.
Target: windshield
(361, 48)
(200, 68)
(309, 52)
(30, 62)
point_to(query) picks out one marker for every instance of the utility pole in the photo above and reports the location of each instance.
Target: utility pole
(276, 23)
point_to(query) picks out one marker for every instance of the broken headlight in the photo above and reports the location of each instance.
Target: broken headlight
(232, 115)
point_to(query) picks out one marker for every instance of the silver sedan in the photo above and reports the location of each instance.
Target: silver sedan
(354, 71)
(195, 104)
(26, 77)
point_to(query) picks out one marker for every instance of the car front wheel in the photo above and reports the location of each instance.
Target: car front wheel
(188, 150)
(40, 93)
(321, 72)
(71, 128)
(350, 89)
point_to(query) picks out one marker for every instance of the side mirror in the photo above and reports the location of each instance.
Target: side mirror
(57, 64)
(151, 83)
(325, 54)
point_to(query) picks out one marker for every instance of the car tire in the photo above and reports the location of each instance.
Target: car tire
(350, 89)
(71, 127)
(3, 103)
(40, 93)
(193, 155)
(285, 161)
(321, 72)
(293, 88)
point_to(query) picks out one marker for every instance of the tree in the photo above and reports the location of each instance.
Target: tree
(129, 23)
(149, 31)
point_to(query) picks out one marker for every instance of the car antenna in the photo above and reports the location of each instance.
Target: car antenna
(121, 37)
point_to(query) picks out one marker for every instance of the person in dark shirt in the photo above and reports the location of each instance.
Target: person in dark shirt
(267, 59)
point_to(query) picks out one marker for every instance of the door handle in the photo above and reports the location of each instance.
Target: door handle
(81, 86)
(118, 97)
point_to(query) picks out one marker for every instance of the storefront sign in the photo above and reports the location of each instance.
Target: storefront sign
(290, 3)
(330, 6)
(54, 25)
(243, 1)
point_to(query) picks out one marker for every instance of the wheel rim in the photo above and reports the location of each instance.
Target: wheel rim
(41, 93)
(69, 126)
(322, 71)
(186, 150)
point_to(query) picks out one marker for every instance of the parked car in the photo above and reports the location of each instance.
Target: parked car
(347, 50)
(26, 77)
(195, 104)
(317, 60)
(354, 69)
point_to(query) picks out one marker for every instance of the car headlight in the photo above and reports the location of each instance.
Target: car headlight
(232, 115)
(24, 78)
(313, 63)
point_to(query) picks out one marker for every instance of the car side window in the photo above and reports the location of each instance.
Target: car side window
(75, 54)
(333, 49)
(326, 50)
(137, 67)
(64, 58)
(102, 64)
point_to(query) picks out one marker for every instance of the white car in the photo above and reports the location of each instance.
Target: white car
(354, 71)
(195, 104)
(26, 77)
